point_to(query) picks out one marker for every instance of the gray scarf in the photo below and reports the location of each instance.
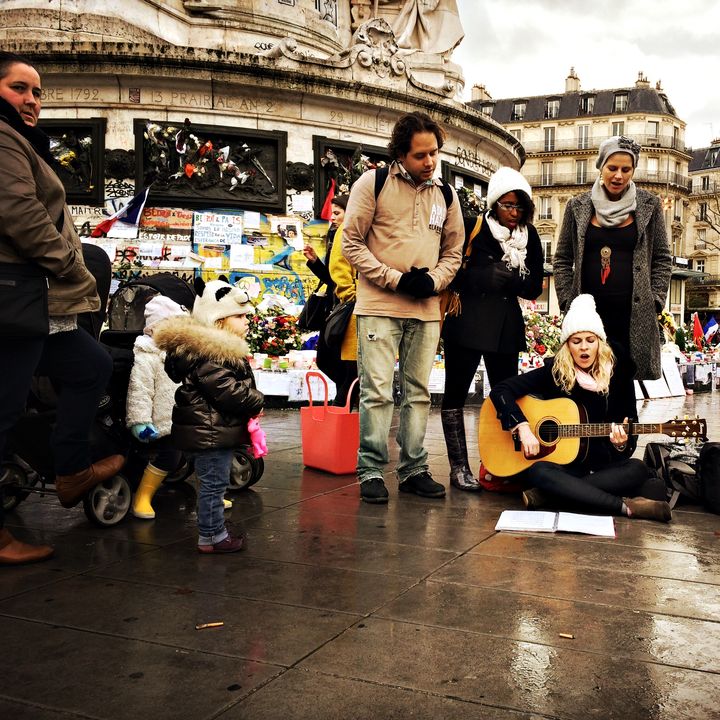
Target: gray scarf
(611, 213)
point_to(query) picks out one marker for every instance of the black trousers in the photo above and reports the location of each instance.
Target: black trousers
(79, 367)
(601, 491)
(461, 364)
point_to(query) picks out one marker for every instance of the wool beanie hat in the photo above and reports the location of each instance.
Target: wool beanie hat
(160, 308)
(217, 300)
(503, 181)
(617, 144)
(582, 317)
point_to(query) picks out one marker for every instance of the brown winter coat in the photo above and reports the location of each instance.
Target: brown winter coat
(31, 202)
(218, 394)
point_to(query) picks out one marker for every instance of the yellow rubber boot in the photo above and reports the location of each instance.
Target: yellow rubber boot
(151, 480)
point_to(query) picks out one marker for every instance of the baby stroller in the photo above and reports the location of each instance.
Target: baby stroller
(126, 321)
(28, 466)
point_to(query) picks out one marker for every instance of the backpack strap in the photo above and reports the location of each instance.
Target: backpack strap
(381, 175)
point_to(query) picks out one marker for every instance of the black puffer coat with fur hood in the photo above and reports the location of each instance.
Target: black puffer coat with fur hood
(217, 396)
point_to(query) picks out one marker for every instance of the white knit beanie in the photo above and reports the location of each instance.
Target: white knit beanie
(160, 308)
(503, 181)
(582, 317)
(219, 300)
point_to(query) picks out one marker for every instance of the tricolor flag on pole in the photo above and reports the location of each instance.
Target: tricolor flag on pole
(711, 327)
(125, 222)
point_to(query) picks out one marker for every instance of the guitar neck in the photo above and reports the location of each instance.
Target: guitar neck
(603, 429)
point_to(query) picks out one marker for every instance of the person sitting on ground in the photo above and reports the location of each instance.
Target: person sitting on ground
(208, 354)
(585, 369)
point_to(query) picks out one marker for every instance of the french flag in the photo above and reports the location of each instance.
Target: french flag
(711, 327)
(125, 222)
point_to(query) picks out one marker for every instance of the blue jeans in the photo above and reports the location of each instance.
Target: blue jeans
(212, 468)
(380, 341)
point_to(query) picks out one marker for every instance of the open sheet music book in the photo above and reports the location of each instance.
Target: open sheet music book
(534, 521)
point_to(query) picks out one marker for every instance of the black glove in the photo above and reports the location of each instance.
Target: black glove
(417, 283)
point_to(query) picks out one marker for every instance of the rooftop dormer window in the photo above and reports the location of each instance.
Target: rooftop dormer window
(620, 102)
(552, 108)
(587, 104)
(518, 111)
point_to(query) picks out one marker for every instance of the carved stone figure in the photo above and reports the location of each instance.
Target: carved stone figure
(431, 26)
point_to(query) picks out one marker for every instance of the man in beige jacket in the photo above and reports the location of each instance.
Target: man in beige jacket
(406, 245)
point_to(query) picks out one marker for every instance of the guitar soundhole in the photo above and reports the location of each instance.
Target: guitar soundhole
(548, 432)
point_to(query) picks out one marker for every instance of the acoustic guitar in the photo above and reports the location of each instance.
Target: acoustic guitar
(561, 427)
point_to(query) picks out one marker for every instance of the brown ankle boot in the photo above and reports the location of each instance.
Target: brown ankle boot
(645, 509)
(71, 488)
(14, 552)
(533, 499)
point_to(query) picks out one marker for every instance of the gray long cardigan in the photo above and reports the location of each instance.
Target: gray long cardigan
(652, 267)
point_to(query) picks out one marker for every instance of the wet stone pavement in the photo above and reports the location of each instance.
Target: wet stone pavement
(338, 609)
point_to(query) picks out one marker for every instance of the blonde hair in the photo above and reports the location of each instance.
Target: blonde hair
(563, 370)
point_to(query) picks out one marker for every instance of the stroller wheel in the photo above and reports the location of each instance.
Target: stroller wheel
(246, 470)
(15, 480)
(109, 502)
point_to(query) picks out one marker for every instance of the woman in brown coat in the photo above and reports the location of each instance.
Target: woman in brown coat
(38, 240)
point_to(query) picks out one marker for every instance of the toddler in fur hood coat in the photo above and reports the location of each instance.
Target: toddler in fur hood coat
(208, 354)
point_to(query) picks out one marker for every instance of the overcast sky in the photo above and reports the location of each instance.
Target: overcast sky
(527, 47)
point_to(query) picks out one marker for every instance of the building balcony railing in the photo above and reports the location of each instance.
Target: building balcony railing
(711, 188)
(668, 142)
(545, 216)
(705, 281)
(660, 178)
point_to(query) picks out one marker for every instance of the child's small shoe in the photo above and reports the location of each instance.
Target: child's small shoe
(232, 543)
(227, 504)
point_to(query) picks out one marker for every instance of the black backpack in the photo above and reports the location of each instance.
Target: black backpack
(689, 474)
(708, 470)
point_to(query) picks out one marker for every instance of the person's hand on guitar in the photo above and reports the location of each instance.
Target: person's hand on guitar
(618, 436)
(530, 444)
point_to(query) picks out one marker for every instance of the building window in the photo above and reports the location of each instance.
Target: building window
(583, 137)
(517, 134)
(652, 168)
(700, 265)
(545, 208)
(653, 131)
(702, 212)
(581, 171)
(587, 104)
(677, 210)
(518, 111)
(711, 157)
(620, 103)
(549, 139)
(618, 128)
(487, 110)
(701, 242)
(546, 170)
(546, 242)
(552, 108)
(705, 182)
(676, 138)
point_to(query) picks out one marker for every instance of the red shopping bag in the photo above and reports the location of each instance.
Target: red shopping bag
(330, 435)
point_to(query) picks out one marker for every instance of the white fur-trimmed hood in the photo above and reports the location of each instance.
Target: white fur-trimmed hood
(185, 337)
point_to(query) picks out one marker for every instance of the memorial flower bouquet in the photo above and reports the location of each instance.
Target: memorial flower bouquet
(273, 334)
(542, 333)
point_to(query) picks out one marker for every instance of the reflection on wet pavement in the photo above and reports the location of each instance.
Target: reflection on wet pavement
(338, 609)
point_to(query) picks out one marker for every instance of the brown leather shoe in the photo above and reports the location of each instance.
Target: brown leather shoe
(71, 488)
(14, 552)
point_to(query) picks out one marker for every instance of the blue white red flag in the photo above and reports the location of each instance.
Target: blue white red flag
(711, 327)
(125, 222)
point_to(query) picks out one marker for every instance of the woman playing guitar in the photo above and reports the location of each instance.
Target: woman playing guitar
(587, 371)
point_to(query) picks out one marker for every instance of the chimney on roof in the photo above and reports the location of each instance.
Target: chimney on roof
(480, 94)
(642, 81)
(658, 86)
(572, 82)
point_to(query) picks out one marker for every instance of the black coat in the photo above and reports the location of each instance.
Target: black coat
(491, 319)
(599, 408)
(217, 396)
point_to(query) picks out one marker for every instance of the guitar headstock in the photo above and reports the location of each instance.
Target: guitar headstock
(694, 428)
